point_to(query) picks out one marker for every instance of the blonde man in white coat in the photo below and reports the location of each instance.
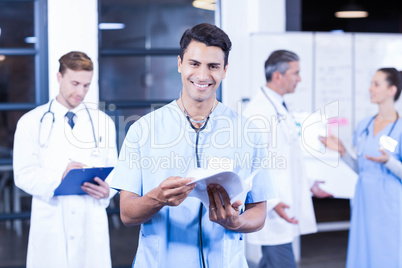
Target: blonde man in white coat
(292, 213)
(66, 231)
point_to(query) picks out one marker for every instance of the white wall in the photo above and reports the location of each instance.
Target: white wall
(73, 25)
(239, 19)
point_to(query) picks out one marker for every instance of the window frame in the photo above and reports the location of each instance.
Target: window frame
(40, 53)
(143, 52)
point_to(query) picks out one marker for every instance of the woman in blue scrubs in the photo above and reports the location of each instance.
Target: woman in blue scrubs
(375, 238)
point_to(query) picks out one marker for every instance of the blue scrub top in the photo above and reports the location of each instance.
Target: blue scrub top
(375, 238)
(162, 144)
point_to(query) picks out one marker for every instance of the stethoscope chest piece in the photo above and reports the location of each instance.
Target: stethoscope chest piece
(96, 152)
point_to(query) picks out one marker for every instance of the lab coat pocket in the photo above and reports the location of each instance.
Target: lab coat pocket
(233, 252)
(52, 159)
(147, 253)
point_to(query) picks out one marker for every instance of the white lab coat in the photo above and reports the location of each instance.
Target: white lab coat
(65, 231)
(288, 170)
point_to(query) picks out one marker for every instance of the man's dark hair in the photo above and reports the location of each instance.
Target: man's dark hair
(208, 34)
(278, 61)
(76, 61)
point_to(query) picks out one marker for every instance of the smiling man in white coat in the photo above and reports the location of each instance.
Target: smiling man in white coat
(291, 214)
(66, 231)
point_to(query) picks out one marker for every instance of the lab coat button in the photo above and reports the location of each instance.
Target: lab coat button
(71, 237)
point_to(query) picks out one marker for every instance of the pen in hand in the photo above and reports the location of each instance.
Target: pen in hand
(83, 165)
(71, 165)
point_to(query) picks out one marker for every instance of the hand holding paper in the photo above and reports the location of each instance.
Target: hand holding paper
(340, 180)
(172, 191)
(221, 210)
(230, 181)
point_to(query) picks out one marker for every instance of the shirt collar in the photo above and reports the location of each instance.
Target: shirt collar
(58, 108)
(216, 112)
(273, 95)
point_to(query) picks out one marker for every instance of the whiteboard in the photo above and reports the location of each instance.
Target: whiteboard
(336, 72)
(340, 181)
(372, 52)
(334, 67)
(262, 45)
(333, 82)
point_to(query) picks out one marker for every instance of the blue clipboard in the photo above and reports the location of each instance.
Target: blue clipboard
(71, 184)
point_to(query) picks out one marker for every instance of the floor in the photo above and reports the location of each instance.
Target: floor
(326, 249)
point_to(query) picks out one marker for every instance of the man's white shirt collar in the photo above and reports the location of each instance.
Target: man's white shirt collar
(273, 95)
(60, 109)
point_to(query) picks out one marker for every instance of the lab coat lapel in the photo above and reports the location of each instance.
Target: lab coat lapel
(302, 204)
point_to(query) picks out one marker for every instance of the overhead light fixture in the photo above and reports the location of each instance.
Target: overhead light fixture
(338, 31)
(30, 40)
(111, 26)
(204, 4)
(351, 11)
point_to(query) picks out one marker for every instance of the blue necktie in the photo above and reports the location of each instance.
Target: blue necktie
(70, 116)
(284, 105)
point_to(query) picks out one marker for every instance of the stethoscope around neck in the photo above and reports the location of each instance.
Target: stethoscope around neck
(50, 113)
(366, 132)
(204, 123)
(279, 117)
(366, 129)
(289, 133)
(197, 131)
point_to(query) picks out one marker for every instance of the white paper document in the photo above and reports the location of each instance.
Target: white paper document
(230, 181)
(340, 180)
